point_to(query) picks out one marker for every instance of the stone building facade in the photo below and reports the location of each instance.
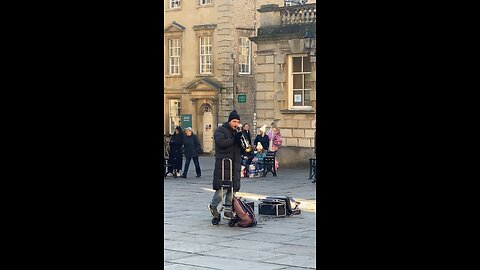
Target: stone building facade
(286, 79)
(207, 52)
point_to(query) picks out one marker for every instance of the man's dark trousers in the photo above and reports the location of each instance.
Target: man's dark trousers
(197, 166)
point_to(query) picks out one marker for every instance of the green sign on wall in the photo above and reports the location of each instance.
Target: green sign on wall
(242, 98)
(186, 120)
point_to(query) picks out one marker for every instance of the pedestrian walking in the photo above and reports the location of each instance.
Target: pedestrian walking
(192, 149)
(227, 145)
(176, 151)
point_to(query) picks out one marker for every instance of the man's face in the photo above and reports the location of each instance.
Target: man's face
(246, 127)
(234, 123)
(188, 132)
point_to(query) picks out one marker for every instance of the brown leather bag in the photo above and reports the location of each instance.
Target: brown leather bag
(244, 212)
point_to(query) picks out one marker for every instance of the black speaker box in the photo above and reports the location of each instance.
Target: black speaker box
(252, 205)
(272, 209)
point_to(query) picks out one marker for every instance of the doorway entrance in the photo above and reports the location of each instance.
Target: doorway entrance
(207, 129)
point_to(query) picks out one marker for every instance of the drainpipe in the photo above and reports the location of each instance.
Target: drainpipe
(233, 81)
(253, 73)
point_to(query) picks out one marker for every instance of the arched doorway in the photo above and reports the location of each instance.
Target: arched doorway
(207, 128)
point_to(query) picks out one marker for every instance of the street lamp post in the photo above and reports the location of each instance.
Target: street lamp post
(309, 42)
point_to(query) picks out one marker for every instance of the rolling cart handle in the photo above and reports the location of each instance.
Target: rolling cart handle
(223, 169)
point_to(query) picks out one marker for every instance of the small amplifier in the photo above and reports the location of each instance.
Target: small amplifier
(272, 209)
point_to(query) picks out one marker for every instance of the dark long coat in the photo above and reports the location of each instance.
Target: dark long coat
(176, 150)
(264, 141)
(191, 146)
(225, 147)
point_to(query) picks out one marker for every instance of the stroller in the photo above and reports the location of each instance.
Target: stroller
(168, 164)
(168, 168)
(242, 214)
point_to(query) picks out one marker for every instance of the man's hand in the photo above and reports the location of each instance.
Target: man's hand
(237, 137)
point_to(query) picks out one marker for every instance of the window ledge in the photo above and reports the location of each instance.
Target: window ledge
(245, 75)
(174, 76)
(205, 75)
(173, 9)
(298, 111)
(204, 6)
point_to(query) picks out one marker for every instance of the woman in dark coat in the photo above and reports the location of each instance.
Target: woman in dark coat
(192, 148)
(227, 145)
(176, 151)
(262, 138)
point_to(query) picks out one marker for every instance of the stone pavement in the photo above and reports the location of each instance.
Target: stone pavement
(192, 242)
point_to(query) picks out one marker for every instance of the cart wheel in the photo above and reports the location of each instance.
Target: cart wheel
(233, 221)
(215, 221)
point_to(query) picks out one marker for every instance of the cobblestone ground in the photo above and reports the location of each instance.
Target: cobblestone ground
(192, 242)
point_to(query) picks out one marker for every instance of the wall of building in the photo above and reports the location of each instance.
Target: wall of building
(297, 127)
(232, 19)
(264, 87)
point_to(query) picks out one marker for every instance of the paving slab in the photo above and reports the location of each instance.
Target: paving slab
(190, 247)
(307, 241)
(295, 260)
(174, 235)
(222, 230)
(268, 237)
(199, 238)
(294, 268)
(298, 250)
(249, 244)
(169, 255)
(177, 266)
(217, 262)
(250, 254)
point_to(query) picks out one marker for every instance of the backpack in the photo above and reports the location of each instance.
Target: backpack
(245, 214)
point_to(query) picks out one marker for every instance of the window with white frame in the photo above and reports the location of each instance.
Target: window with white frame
(244, 55)
(174, 4)
(174, 114)
(205, 55)
(300, 86)
(204, 2)
(174, 56)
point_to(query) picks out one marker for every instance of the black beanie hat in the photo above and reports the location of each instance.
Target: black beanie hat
(233, 115)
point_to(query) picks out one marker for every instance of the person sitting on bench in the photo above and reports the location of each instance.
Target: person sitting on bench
(259, 159)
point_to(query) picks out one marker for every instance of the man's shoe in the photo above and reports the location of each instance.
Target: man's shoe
(213, 211)
(183, 176)
(198, 176)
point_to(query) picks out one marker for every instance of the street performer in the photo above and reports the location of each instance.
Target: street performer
(227, 145)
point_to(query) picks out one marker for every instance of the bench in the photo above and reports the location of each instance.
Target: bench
(269, 164)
